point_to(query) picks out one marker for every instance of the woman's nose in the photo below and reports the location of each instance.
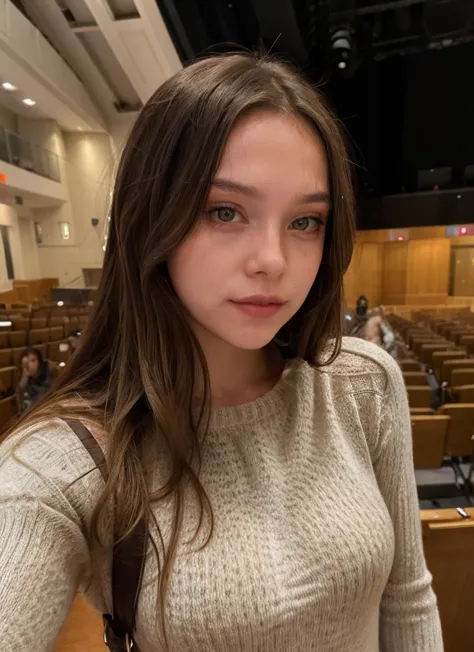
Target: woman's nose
(267, 254)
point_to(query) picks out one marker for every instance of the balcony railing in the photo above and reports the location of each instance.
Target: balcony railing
(18, 151)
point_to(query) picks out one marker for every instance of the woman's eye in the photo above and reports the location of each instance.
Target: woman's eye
(224, 214)
(306, 224)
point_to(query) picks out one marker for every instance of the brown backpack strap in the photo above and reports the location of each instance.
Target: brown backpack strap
(128, 563)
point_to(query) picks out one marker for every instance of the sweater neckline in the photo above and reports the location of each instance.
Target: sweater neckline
(262, 408)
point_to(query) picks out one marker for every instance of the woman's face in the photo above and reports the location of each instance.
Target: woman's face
(250, 262)
(31, 364)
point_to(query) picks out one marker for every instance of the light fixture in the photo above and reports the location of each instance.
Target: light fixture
(60, 304)
(29, 102)
(400, 237)
(62, 364)
(8, 87)
(458, 196)
(65, 230)
(5, 324)
(464, 230)
(340, 38)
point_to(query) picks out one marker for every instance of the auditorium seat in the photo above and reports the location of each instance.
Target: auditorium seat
(439, 356)
(38, 336)
(462, 377)
(420, 397)
(43, 349)
(39, 322)
(17, 338)
(4, 340)
(415, 378)
(21, 324)
(458, 335)
(463, 394)
(409, 365)
(448, 542)
(461, 429)
(419, 344)
(57, 321)
(429, 349)
(467, 342)
(55, 353)
(7, 411)
(8, 379)
(421, 411)
(433, 480)
(5, 358)
(447, 367)
(56, 333)
(16, 356)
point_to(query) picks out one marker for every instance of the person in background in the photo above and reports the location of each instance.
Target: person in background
(372, 326)
(35, 381)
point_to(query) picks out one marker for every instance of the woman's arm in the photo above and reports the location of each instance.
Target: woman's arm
(409, 618)
(43, 551)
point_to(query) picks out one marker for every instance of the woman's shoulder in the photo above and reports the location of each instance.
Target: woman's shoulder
(364, 366)
(45, 459)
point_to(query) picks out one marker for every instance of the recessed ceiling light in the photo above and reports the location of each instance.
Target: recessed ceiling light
(29, 102)
(342, 65)
(8, 87)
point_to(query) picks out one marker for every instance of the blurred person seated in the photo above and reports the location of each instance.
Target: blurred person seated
(36, 379)
(372, 326)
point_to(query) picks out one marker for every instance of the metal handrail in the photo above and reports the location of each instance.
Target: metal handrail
(18, 151)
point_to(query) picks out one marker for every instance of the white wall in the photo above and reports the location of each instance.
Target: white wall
(7, 119)
(9, 218)
(86, 166)
(31, 265)
(119, 132)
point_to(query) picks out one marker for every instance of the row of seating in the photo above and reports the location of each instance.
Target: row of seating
(54, 351)
(68, 323)
(428, 349)
(14, 339)
(448, 541)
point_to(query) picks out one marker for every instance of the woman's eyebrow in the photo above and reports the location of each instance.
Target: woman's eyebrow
(320, 197)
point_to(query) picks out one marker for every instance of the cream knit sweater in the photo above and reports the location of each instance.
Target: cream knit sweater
(317, 542)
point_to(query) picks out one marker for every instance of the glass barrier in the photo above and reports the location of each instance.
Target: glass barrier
(18, 151)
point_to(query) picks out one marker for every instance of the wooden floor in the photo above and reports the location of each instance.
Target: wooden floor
(83, 631)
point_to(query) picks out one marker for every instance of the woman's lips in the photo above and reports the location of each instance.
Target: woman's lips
(259, 305)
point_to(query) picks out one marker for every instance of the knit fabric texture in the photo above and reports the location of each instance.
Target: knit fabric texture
(317, 539)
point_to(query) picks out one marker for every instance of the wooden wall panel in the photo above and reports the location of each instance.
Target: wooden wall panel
(428, 270)
(364, 275)
(394, 276)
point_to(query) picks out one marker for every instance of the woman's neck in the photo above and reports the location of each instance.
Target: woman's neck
(239, 376)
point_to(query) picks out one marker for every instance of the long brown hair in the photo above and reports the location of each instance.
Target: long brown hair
(139, 364)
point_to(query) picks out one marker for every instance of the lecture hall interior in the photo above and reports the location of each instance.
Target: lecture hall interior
(399, 74)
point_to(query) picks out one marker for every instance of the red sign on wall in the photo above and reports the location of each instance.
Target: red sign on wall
(3, 178)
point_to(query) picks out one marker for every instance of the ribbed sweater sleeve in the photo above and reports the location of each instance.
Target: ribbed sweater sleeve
(43, 550)
(409, 620)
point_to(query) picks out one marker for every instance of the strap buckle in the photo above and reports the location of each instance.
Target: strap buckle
(111, 639)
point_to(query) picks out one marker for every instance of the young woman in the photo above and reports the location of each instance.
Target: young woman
(36, 379)
(271, 465)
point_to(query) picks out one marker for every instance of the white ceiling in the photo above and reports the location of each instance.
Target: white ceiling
(12, 100)
(119, 49)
